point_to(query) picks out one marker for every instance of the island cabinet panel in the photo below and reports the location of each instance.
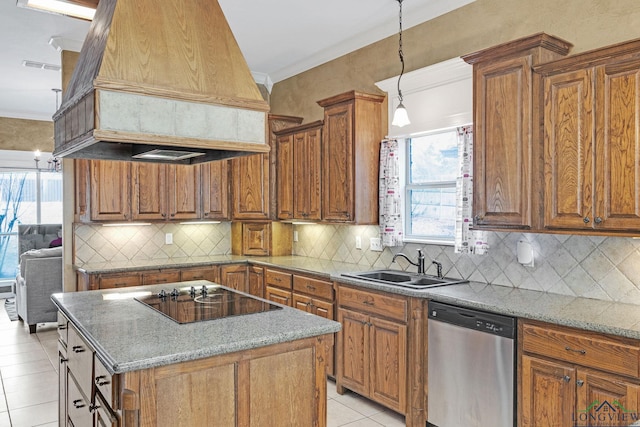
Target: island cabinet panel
(63, 326)
(566, 376)
(277, 385)
(381, 348)
(507, 99)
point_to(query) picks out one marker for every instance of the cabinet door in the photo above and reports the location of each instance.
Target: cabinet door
(215, 190)
(234, 276)
(388, 363)
(337, 161)
(256, 281)
(302, 302)
(353, 352)
(568, 150)
(149, 191)
(606, 398)
(502, 143)
(184, 191)
(256, 238)
(618, 146)
(307, 174)
(77, 405)
(250, 176)
(278, 295)
(285, 176)
(110, 197)
(548, 393)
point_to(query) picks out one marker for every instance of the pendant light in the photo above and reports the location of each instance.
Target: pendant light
(400, 117)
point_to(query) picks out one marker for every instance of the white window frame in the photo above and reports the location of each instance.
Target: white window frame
(438, 98)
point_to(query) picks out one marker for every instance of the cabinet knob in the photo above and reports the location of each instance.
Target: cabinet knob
(586, 220)
(598, 220)
(566, 378)
(164, 215)
(580, 383)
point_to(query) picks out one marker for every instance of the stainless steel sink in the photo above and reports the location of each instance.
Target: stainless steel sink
(403, 279)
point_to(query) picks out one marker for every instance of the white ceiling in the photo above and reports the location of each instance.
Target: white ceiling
(279, 38)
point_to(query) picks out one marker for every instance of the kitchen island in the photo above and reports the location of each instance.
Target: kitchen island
(124, 363)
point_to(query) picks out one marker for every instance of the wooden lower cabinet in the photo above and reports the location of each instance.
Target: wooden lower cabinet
(576, 378)
(234, 276)
(256, 281)
(90, 281)
(381, 350)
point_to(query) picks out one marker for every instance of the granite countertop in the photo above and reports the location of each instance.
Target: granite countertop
(127, 335)
(610, 317)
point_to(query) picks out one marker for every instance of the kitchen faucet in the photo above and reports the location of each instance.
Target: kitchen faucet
(419, 264)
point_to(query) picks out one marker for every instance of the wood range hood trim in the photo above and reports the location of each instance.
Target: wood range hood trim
(160, 74)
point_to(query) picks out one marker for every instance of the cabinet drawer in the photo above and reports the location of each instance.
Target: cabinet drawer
(80, 357)
(104, 383)
(278, 279)
(119, 280)
(314, 287)
(164, 276)
(369, 302)
(78, 405)
(210, 273)
(278, 295)
(587, 349)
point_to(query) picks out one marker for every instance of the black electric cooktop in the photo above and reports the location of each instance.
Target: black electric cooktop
(195, 304)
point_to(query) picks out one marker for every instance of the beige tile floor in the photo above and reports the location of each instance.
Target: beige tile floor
(29, 395)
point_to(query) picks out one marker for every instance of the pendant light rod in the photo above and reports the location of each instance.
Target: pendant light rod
(400, 53)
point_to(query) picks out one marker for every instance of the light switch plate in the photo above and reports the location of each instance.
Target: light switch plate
(375, 244)
(295, 236)
(168, 239)
(358, 242)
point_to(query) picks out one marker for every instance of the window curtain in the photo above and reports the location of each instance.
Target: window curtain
(390, 194)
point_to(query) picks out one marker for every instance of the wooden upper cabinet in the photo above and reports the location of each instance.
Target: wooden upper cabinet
(250, 175)
(215, 190)
(592, 140)
(277, 123)
(307, 172)
(184, 191)
(166, 192)
(284, 144)
(350, 155)
(506, 99)
(110, 198)
(300, 172)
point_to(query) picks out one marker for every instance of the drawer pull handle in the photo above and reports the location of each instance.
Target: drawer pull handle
(277, 279)
(580, 383)
(78, 403)
(78, 349)
(62, 327)
(369, 303)
(566, 378)
(311, 288)
(575, 351)
(101, 380)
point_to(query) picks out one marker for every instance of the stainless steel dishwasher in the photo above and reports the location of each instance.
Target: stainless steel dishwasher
(471, 368)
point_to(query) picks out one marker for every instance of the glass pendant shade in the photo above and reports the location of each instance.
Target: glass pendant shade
(400, 117)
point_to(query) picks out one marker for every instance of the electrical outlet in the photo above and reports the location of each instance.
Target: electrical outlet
(375, 244)
(168, 239)
(358, 242)
(295, 236)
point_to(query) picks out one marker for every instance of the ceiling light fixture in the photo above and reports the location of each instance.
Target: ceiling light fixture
(83, 9)
(400, 117)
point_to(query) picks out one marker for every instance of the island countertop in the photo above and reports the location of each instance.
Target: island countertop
(128, 336)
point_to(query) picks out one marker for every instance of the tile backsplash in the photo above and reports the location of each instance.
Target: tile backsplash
(98, 244)
(606, 268)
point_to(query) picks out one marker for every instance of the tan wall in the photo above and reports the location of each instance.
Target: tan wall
(588, 24)
(26, 135)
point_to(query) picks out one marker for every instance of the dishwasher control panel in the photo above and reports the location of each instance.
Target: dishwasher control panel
(491, 323)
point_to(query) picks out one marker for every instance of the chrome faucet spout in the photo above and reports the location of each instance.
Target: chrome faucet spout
(419, 264)
(439, 267)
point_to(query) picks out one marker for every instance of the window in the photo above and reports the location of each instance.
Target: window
(430, 187)
(26, 197)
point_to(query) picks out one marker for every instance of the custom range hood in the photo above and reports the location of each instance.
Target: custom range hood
(160, 81)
